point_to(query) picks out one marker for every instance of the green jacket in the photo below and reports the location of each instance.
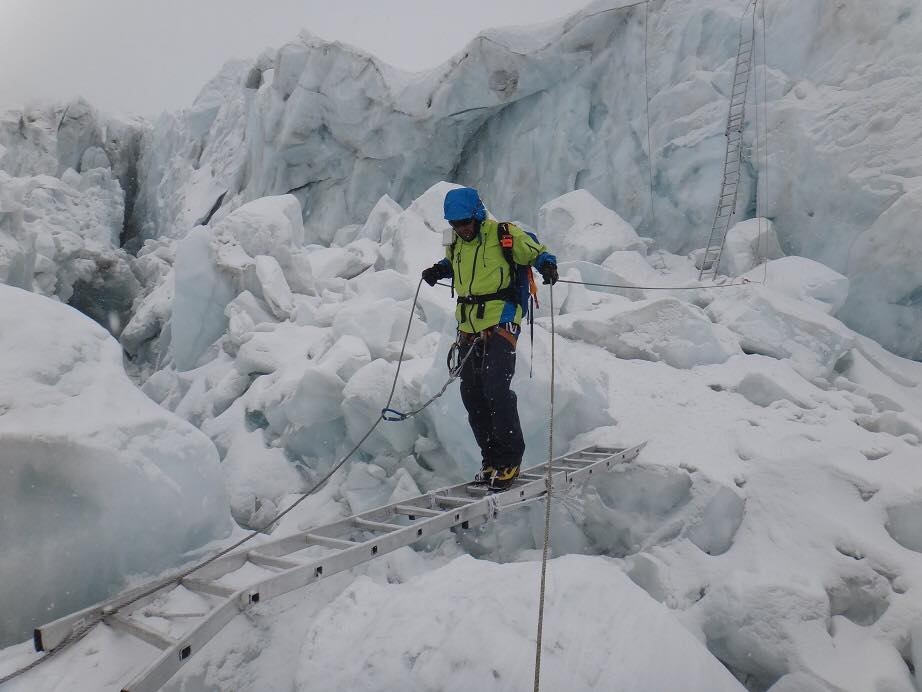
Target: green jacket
(479, 268)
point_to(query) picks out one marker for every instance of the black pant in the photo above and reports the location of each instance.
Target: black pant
(491, 405)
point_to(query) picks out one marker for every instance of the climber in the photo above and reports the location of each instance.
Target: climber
(484, 261)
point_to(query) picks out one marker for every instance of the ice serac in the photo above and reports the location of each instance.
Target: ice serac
(98, 481)
(627, 103)
(770, 323)
(67, 186)
(579, 227)
(665, 330)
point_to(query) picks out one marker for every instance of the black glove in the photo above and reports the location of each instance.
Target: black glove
(434, 273)
(549, 272)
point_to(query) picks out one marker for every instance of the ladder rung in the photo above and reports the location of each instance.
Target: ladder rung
(329, 541)
(454, 501)
(263, 560)
(376, 525)
(411, 511)
(206, 586)
(142, 632)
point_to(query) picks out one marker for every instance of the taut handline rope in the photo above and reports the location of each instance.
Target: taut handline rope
(547, 508)
(743, 282)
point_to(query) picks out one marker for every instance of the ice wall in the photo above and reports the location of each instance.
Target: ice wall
(67, 186)
(98, 482)
(628, 103)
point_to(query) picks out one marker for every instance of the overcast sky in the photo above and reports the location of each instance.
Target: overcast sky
(144, 56)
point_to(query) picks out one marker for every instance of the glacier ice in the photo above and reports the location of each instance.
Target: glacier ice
(770, 323)
(747, 244)
(579, 227)
(664, 329)
(280, 224)
(625, 103)
(99, 481)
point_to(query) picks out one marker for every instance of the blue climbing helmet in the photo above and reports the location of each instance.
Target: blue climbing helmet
(464, 203)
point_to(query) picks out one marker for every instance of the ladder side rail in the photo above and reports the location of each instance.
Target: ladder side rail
(725, 221)
(172, 659)
(710, 261)
(169, 663)
(289, 580)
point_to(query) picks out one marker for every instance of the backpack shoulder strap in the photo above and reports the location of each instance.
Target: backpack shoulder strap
(505, 242)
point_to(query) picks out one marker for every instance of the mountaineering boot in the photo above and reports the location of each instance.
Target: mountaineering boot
(504, 477)
(484, 475)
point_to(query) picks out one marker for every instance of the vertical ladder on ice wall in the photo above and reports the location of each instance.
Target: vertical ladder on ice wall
(180, 617)
(733, 159)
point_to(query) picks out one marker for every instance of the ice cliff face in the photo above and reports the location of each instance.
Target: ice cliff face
(528, 115)
(67, 188)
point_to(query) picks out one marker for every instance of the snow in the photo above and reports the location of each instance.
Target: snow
(767, 538)
(665, 330)
(772, 324)
(771, 519)
(747, 244)
(99, 482)
(579, 227)
(447, 622)
(803, 279)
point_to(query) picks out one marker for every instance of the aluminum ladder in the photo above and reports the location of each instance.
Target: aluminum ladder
(220, 590)
(733, 158)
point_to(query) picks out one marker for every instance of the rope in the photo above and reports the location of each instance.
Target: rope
(742, 282)
(764, 172)
(454, 373)
(152, 588)
(646, 91)
(547, 508)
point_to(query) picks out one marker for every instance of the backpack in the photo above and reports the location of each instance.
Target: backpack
(523, 279)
